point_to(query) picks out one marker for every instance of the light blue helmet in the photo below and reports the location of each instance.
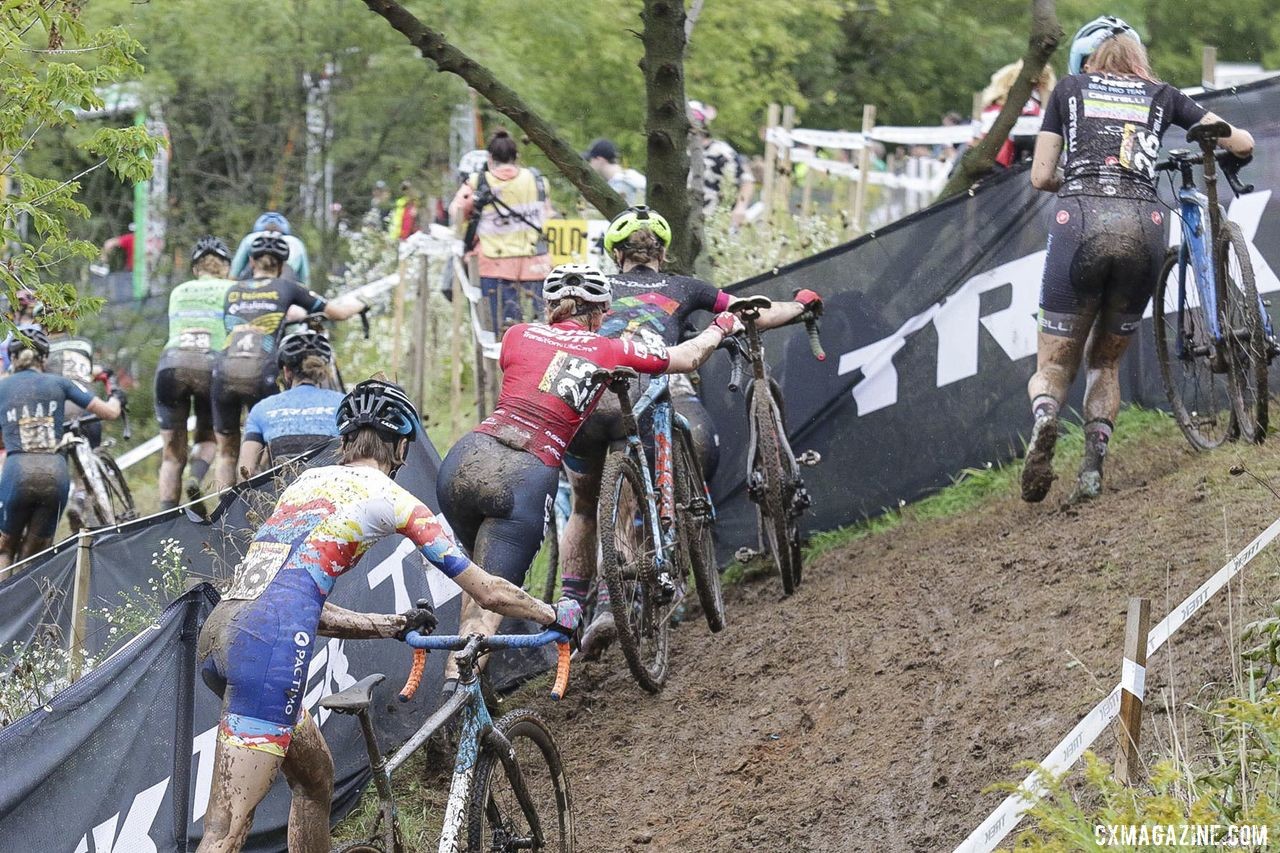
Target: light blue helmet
(272, 219)
(1091, 35)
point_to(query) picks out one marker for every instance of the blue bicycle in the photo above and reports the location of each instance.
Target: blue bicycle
(1214, 340)
(509, 790)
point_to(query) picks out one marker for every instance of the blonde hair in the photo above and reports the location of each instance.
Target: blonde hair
(997, 91)
(24, 359)
(1121, 54)
(211, 265)
(267, 264)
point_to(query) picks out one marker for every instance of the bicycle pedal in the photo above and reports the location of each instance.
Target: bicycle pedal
(809, 458)
(745, 555)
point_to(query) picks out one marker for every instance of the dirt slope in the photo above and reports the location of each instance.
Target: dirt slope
(914, 668)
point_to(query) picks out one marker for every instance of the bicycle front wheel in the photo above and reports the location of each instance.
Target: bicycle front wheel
(117, 488)
(1245, 343)
(774, 490)
(1199, 398)
(496, 820)
(628, 561)
(693, 505)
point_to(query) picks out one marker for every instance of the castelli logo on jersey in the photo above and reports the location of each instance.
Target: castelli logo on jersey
(1156, 217)
(1063, 217)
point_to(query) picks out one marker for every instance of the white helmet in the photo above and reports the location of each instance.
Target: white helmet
(583, 281)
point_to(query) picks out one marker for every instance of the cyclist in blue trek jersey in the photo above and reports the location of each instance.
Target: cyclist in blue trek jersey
(295, 421)
(256, 646)
(34, 482)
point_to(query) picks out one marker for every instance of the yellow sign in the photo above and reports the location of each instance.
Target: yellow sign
(567, 240)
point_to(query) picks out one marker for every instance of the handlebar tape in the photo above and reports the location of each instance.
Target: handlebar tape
(735, 369)
(415, 675)
(815, 343)
(562, 672)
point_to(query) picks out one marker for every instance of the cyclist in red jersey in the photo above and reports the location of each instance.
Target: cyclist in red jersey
(497, 484)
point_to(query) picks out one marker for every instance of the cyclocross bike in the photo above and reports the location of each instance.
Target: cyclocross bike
(774, 483)
(654, 529)
(100, 494)
(509, 790)
(1214, 340)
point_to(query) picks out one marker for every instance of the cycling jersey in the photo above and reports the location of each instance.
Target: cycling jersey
(548, 387)
(295, 421)
(196, 312)
(656, 307)
(265, 626)
(255, 310)
(32, 406)
(297, 260)
(1112, 127)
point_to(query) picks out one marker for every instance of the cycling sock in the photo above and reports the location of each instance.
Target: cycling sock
(1044, 406)
(1098, 430)
(602, 596)
(1097, 435)
(197, 469)
(575, 588)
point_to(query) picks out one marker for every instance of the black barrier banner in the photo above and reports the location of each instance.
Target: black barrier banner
(930, 332)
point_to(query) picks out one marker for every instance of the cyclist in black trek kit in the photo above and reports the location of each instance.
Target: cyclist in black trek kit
(1107, 239)
(255, 314)
(655, 308)
(34, 482)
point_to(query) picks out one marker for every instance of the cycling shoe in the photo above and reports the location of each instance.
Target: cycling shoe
(1037, 469)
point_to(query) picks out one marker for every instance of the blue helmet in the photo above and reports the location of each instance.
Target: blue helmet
(1092, 34)
(273, 220)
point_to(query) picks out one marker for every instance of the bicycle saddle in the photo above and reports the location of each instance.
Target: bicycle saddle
(618, 374)
(355, 698)
(1205, 132)
(751, 303)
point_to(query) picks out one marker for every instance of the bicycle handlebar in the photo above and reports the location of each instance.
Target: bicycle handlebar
(421, 643)
(1180, 158)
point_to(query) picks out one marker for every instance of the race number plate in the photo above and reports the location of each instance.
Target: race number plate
(258, 568)
(196, 339)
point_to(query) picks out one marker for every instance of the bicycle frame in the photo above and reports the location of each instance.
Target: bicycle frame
(83, 463)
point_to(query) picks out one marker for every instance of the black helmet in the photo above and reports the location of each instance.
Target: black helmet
(269, 244)
(296, 347)
(378, 404)
(29, 336)
(210, 245)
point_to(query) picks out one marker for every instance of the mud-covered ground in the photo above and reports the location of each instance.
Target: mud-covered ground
(915, 667)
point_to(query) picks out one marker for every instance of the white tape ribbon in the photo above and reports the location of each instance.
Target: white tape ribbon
(1134, 678)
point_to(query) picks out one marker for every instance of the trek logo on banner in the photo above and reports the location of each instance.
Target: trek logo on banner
(958, 318)
(135, 834)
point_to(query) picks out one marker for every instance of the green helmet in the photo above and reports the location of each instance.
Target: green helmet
(633, 219)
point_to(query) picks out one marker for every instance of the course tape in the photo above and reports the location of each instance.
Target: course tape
(1134, 678)
(1007, 815)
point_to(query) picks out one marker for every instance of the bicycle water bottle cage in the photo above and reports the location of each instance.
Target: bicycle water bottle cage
(1203, 133)
(356, 698)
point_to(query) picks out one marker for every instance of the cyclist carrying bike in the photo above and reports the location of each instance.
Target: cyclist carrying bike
(34, 482)
(296, 420)
(256, 645)
(255, 312)
(496, 485)
(1107, 241)
(655, 308)
(184, 374)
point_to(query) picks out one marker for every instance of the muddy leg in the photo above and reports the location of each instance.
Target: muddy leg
(308, 767)
(8, 546)
(224, 471)
(241, 778)
(1101, 405)
(173, 460)
(1057, 360)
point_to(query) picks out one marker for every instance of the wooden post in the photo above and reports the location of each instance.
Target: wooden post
(806, 199)
(397, 317)
(1209, 67)
(770, 162)
(864, 168)
(80, 602)
(457, 320)
(977, 106)
(425, 331)
(783, 193)
(1134, 682)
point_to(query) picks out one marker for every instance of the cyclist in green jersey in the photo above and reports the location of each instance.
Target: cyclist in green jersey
(185, 372)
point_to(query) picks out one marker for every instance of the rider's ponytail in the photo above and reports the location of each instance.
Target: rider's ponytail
(643, 248)
(211, 265)
(24, 359)
(313, 369)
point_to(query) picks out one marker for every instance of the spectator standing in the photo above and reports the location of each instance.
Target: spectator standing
(404, 213)
(993, 98)
(720, 161)
(505, 206)
(628, 183)
(125, 244)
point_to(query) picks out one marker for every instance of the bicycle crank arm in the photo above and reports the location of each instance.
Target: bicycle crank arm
(809, 458)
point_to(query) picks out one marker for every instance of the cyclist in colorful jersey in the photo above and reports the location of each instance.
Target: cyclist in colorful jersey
(184, 374)
(655, 308)
(255, 313)
(272, 223)
(294, 421)
(34, 481)
(256, 646)
(497, 484)
(1107, 238)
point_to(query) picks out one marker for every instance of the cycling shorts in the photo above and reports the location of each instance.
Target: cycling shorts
(33, 494)
(238, 383)
(255, 656)
(1104, 254)
(497, 499)
(184, 379)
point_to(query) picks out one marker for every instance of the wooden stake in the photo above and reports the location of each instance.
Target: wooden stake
(770, 162)
(784, 162)
(1134, 681)
(425, 331)
(1209, 67)
(457, 321)
(397, 318)
(864, 169)
(80, 602)
(977, 106)
(806, 199)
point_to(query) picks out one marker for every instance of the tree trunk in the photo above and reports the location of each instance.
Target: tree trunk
(667, 130)
(980, 159)
(435, 47)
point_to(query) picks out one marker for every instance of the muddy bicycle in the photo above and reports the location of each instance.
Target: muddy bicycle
(1214, 339)
(774, 483)
(100, 495)
(509, 789)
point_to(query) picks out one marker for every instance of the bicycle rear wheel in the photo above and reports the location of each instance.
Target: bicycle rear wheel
(693, 505)
(628, 561)
(1200, 399)
(496, 822)
(1246, 344)
(769, 472)
(122, 506)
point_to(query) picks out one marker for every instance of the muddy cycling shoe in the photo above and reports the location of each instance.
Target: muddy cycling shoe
(599, 634)
(1037, 470)
(1088, 486)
